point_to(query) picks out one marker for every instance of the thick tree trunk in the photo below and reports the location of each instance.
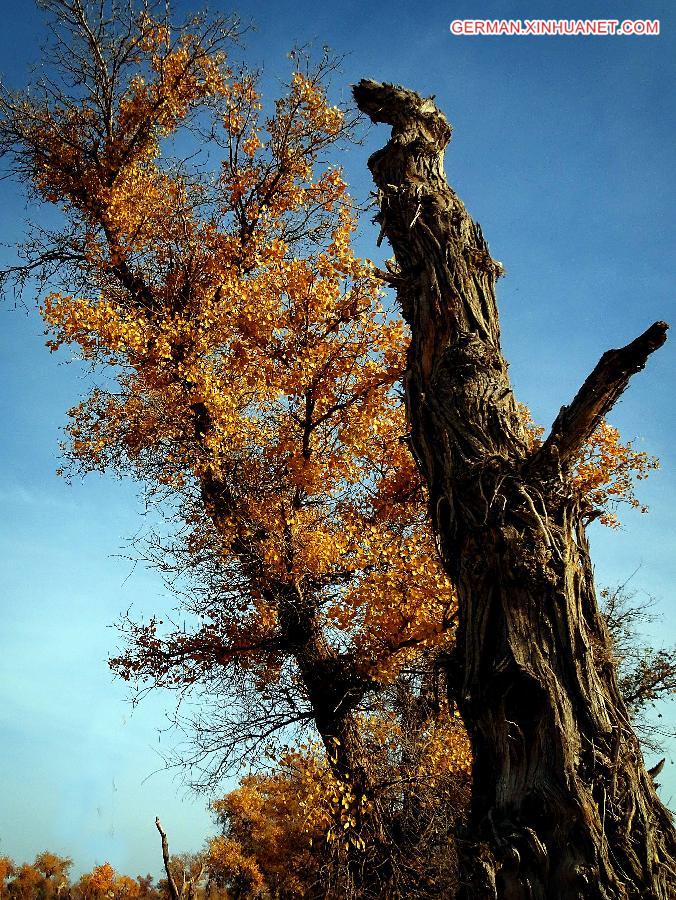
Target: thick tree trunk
(562, 805)
(334, 687)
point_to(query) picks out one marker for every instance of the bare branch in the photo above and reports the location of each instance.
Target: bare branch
(173, 890)
(600, 392)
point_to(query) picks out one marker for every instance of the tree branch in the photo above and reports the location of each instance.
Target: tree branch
(597, 396)
(173, 890)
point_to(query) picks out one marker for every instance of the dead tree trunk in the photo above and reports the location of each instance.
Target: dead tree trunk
(562, 804)
(174, 892)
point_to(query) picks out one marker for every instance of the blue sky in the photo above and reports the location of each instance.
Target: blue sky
(563, 149)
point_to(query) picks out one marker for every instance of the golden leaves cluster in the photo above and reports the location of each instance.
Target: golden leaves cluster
(104, 882)
(605, 470)
(213, 297)
(268, 833)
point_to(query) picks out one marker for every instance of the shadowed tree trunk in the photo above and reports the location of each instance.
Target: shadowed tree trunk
(562, 805)
(334, 687)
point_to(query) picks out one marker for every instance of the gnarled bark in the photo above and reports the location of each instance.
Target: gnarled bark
(562, 805)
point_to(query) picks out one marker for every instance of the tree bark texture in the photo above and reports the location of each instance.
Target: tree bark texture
(562, 805)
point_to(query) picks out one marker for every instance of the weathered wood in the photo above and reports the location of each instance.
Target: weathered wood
(562, 805)
(602, 389)
(171, 884)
